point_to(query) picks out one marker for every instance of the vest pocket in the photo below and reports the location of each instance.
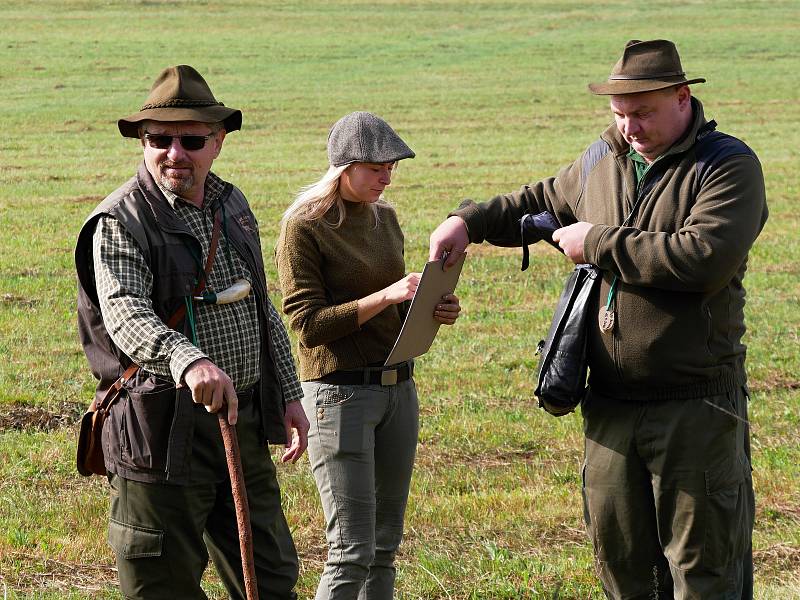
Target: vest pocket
(145, 429)
(170, 287)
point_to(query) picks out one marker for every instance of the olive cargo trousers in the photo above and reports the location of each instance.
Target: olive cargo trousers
(362, 444)
(163, 534)
(668, 496)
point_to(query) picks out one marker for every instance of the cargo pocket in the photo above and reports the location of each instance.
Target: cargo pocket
(132, 541)
(727, 533)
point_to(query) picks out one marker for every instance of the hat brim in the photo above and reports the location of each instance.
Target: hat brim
(618, 87)
(231, 118)
(379, 160)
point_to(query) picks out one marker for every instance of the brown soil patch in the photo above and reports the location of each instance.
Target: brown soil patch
(775, 382)
(87, 199)
(27, 417)
(431, 456)
(18, 300)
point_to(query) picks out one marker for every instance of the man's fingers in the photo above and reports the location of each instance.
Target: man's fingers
(293, 451)
(453, 256)
(212, 388)
(289, 435)
(437, 249)
(233, 403)
(302, 439)
(197, 395)
(297, 427)
(450, 236)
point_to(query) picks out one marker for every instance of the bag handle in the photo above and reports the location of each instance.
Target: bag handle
(112, 393)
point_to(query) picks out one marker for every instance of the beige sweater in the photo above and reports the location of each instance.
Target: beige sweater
(324, 271)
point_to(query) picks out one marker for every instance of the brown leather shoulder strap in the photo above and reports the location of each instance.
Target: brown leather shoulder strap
(113, 392)
(201, 282)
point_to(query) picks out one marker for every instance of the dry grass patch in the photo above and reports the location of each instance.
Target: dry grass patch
(777, 561)
(30, 573)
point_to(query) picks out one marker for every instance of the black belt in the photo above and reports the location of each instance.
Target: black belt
(376, 376)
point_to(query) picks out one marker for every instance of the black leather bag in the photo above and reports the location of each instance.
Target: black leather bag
(561, 379)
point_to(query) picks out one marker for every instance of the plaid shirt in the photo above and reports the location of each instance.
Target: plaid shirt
(227, 334)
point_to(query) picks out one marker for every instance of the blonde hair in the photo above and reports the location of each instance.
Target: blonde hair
(315, 200)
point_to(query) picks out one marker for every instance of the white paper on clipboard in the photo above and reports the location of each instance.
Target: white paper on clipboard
(420, 328)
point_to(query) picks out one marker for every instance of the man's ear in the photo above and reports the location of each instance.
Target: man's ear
(218, 139)
(684, 97)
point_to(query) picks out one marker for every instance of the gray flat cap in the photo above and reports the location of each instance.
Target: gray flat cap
(363, 137)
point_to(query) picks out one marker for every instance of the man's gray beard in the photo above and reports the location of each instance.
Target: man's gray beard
(176, 186)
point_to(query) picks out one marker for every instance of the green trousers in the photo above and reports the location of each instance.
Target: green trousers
(361, 445)
(163, 534)
(668, 496)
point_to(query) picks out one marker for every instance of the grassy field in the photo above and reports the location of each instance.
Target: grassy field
(491, 95)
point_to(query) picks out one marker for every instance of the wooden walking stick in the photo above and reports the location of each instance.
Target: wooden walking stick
(239, 491)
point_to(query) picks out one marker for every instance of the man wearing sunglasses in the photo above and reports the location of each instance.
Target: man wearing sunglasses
(172, 231)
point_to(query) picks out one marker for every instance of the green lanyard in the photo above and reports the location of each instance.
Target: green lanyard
(189, 300)
(611, 292)
(190, 316)
(641, 169)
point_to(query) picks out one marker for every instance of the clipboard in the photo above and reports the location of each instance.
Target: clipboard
(420, 328)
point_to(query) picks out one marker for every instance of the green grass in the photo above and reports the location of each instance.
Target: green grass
(490, 95)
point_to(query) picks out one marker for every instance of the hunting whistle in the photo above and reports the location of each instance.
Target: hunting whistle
(237, 291)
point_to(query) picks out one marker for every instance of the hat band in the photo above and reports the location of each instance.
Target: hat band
(649, 75)
(180, 102)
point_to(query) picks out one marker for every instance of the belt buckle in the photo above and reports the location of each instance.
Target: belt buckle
(389, 377)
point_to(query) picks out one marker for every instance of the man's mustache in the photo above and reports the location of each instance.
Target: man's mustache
(173, 165)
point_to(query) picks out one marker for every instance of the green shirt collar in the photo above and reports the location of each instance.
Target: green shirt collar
(639, 163)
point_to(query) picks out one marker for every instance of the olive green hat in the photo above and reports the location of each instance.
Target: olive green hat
(181, 94)
(363, 137)
(644, 67)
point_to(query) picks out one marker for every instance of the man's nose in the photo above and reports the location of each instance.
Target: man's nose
(632, 127)
(175, 150)
(386, 177)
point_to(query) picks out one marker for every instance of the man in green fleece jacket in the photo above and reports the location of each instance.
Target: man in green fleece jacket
(668, 207)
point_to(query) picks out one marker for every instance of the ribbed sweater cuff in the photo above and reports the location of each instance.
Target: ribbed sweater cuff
(591, 243)
(473, 217)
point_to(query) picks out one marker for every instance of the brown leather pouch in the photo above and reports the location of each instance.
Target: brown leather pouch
(90, 442)
(89, 455)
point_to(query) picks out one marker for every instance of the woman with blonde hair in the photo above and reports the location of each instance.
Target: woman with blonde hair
(340, 263)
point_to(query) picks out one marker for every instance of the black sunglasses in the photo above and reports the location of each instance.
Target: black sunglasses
(163, 141)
